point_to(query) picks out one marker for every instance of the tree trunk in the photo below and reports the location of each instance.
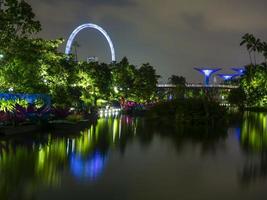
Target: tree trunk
(255, 61)
(250, 58)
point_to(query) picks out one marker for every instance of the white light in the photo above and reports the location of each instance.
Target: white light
(1, 56)
(227, 77)
(94, 26)
(116, 90)
(207, 72)
(11, 89)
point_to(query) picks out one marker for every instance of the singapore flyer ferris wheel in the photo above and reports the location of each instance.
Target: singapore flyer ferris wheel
(90, 26)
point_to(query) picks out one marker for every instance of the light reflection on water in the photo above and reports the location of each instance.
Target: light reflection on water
(43, 160)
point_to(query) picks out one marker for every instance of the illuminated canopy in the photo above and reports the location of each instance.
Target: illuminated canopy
(227, 77)
(93, 26)
(207, 73)
(240, 70)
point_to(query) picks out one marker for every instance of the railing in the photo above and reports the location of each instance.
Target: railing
(193, 85)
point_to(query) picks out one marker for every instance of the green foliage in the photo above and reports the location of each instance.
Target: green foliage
(145, 83)
(16, 21)
(237, 97)
(123, 78)
(177, 80)
(94, 79)
(9, 105)
(254, 84)
(188, 111)
(180, 82)
(34, 65)
(130, 83)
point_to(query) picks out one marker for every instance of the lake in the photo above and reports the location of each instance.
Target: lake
(123, 157)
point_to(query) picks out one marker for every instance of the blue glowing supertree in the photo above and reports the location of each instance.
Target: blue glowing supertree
(239, 70)
(227, 77)
(207, 73)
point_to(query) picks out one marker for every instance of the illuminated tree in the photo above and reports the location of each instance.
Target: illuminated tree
(145, 83)
(254, 84)
(123, 79)
(94, 81)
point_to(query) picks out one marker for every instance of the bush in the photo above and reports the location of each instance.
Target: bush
(188, 111)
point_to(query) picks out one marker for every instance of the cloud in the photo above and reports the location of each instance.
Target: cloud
(174, 35)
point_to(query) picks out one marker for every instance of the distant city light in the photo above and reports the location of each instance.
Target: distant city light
(92, 59)
(107, 112)
(93, 26)
(207, 73)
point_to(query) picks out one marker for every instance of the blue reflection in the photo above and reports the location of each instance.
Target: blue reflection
(89, 168)
(238, 133)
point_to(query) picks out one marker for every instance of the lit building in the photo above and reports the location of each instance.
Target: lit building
(92, 59)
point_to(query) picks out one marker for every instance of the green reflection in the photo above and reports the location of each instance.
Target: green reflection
(41, 161)
(254, 131)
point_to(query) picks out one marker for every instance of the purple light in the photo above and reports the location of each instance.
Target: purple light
(93, 26)
(207, 73)
(239, 70)
(227, 77)
(92, 167)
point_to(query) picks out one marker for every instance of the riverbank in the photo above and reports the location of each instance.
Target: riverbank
(56, 126)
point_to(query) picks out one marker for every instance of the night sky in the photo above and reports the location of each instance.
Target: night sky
(173, 35)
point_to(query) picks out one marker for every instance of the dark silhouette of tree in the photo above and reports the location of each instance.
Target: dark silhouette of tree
(17, 21)
(177, 80)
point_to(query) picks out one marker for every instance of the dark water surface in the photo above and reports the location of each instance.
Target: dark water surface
(125, 158)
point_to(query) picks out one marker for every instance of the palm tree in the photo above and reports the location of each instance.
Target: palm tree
(264, 50)
(256, 47)
(247, 39)
(253, 45)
